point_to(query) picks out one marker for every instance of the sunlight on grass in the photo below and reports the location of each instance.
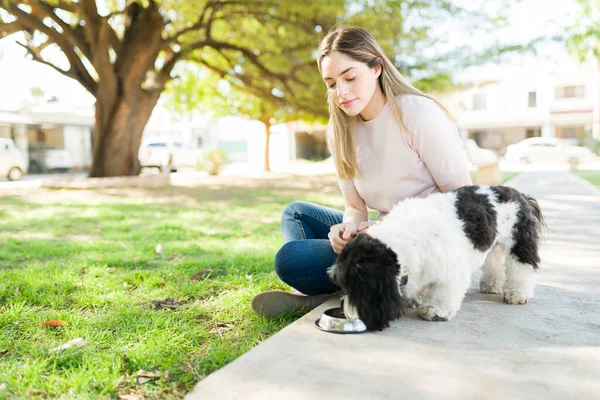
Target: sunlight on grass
(89, 258)
(591, 176)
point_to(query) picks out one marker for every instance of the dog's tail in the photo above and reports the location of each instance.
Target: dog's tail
(542, 228)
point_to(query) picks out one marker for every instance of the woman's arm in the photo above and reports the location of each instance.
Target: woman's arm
(438, 144)
(355, 209)
(463, 180)
(356, 218)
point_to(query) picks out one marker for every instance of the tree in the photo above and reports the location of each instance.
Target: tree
(124, 54)
(583, 41)
(228, 96)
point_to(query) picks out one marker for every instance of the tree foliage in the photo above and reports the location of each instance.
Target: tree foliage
(583, 37)
(262, 51)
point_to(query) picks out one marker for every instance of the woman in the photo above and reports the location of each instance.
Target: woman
(389, 141)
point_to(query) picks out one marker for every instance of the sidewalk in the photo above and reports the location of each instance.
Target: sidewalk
(546, 349)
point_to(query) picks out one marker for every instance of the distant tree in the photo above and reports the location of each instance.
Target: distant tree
(583, 42)
(36, 91)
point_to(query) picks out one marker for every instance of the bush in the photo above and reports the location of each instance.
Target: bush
(212, 161)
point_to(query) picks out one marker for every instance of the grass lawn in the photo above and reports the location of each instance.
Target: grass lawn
(89, 258)
(591, 176)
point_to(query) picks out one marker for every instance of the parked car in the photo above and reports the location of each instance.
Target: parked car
(538, 149)
(157, 152)
(12, 164)
(45, 158)
(479, 156)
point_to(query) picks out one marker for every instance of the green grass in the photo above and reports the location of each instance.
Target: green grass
(88, 258)
(591, 176)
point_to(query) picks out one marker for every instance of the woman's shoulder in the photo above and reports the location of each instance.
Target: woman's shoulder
(420, 110)
(414, 103)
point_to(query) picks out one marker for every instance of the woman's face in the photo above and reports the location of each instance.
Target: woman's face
(351, 83)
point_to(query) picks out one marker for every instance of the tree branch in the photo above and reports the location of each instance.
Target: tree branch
(35, 54)
(10, 28)
(78, 69)
(70, 34)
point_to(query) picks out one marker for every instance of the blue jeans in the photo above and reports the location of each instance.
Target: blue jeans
(304, 258)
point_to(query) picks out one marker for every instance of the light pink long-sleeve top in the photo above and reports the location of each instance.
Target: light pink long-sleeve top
(396, 165)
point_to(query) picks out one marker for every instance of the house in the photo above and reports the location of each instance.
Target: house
(554, 101)
(53, 124)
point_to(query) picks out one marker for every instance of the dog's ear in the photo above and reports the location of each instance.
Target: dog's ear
(367, 270)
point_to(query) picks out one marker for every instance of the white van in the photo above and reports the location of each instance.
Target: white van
(12, 164)
(158, 152)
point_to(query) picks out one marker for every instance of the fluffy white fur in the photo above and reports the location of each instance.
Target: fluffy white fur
(431, 245)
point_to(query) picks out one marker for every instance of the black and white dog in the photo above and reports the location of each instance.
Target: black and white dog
(439, 241)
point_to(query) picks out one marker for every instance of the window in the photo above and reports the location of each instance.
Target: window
(158, 144)
(479, 102)
(566, 92)
(532, 99)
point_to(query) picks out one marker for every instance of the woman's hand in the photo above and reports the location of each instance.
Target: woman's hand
(341, 234)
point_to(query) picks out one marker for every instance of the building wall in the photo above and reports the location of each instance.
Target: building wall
(78, 142)
(498, 113)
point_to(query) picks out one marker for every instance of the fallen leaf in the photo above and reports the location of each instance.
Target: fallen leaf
(246, 234)
(159, 248)
(54, 323)
(142, 376)
(79, 285)
(132, 394)
(100, 257)
(87, 314)
(148, 374)
(159, 284)
(182, 387)
(79, 342)
(200, 275)
(3, 352)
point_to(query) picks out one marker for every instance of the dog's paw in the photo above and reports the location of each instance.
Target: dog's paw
(430, 313)
(514, 297)
(489, 287)
(411, 303)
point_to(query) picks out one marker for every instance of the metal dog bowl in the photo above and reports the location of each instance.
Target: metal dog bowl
(334, 320)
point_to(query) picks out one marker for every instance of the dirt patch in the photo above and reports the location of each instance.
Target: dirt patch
(168, 303)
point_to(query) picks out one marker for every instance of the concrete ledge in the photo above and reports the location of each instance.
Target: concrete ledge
(113, 182)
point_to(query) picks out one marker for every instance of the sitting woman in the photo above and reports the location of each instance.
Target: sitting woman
(389, 141)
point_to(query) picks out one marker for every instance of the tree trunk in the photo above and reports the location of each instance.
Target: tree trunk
(116, 144)
(267, 166)
(127, 90)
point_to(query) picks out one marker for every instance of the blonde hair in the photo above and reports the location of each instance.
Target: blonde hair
(359, 45)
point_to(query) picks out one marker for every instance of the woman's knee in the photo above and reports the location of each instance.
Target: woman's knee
(294, 207)
(284, 261)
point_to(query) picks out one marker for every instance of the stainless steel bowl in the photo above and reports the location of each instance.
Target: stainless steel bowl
(334, 320)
